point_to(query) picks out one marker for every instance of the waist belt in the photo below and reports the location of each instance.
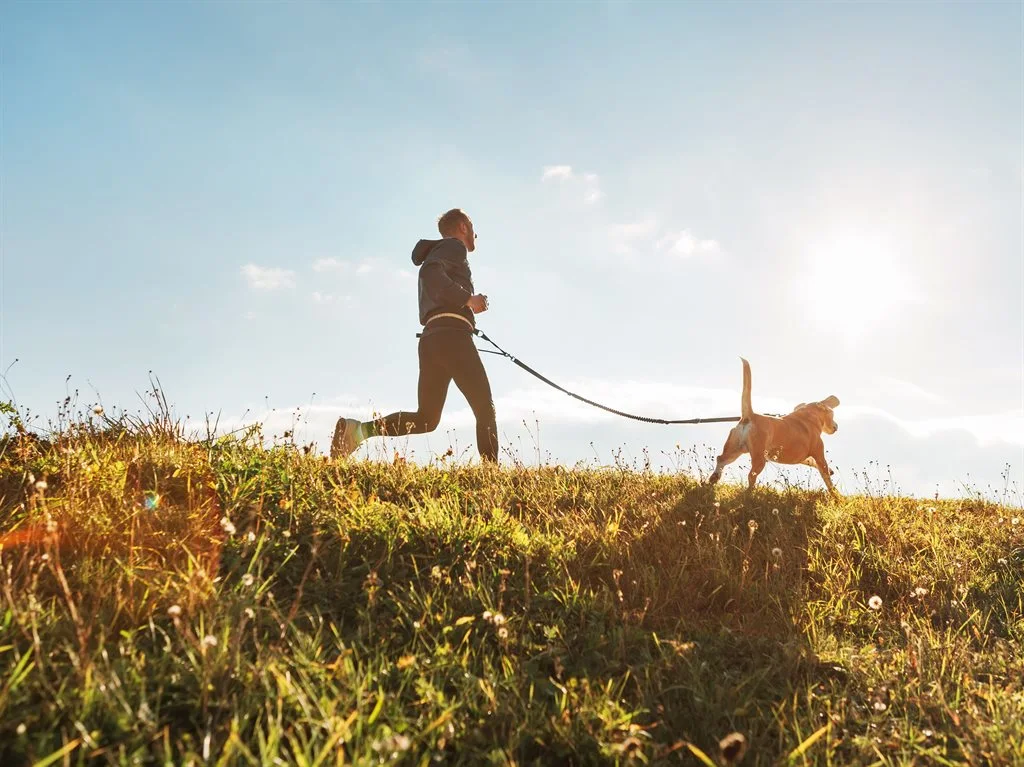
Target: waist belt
(450, 314)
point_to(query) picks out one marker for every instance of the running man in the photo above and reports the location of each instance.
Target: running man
(447, 353)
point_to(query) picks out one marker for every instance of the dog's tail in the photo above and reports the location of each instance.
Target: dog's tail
(746, 409)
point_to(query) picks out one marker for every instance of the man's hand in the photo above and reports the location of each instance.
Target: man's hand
(477, 303)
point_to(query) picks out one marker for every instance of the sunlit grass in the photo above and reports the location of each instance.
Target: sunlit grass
(217, 602)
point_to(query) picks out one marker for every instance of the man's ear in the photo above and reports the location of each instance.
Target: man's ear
(831, 401)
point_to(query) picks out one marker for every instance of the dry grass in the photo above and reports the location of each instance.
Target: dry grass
(216, 602)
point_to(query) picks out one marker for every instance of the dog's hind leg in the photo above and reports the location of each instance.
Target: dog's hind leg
(733, 449)
(757, 462)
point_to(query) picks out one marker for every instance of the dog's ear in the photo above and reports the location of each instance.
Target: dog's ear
(831, 401)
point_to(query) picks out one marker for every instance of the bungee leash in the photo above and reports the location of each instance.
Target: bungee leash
(549, 382)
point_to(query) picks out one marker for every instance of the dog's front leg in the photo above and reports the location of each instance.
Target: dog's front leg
(824, 470)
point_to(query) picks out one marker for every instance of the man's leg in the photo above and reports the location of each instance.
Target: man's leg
(470, 376)
(432, 391)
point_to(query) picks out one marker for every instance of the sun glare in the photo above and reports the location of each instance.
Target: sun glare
(852, 285)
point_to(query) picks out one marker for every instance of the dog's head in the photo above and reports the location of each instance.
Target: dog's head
(822, 412)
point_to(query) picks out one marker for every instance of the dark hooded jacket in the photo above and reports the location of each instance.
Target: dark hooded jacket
(445, 281)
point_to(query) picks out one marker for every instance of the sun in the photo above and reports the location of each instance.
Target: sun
(852, 284)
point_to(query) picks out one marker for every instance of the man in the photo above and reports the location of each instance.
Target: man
(447, 353)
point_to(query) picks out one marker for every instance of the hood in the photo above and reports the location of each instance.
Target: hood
(422, 250)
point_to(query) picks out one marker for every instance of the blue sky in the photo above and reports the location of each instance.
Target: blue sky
(227, 194)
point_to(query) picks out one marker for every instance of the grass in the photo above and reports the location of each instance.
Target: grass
(212, 601)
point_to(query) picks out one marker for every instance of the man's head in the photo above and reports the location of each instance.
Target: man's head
(456, 223)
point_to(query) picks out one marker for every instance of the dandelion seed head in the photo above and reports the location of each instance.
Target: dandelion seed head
(503, 633)
(1015, 521)
(777, 552)
(920, 591)
(209, 641)
(251, 537)
(174, 611)
(41, 486)
(97, 409)
(875, 603)
(499, 619)
(248, 579)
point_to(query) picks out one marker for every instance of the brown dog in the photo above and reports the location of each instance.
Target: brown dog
(795, 438)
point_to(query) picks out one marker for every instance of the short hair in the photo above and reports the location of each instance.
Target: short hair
(448, 221)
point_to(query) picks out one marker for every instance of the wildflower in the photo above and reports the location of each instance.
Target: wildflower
(880, 705)
(98, 409)
(487, 615)
(733, 746)
(435, 573)
(875, 603)
(499, 619)
(392, 745)
(227, 525)
(503, 633)
(287, 533)
(174, 611)
(248, 579)
(717, 504)
(251, 537)
(51, 526)
(249, 613)
(920, 591)
(417, 625)
(209, 641)
(41, 486)
(1001, 560)
(927, 733)
(21, 729)
(775, 512)
(405, 662)
(777, 552)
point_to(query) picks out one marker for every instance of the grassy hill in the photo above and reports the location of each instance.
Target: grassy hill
(215, 602)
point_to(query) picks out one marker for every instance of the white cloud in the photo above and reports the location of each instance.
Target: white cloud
(328, 265)
(557, 171)
(268, 277)
(589, 184)
(361, 268)
(647, 233)
(986, 429)
(685, 244)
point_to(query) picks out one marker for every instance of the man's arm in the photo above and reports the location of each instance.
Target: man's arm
(439, 286)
